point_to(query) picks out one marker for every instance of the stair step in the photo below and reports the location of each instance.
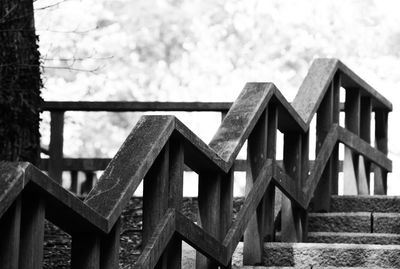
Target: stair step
(354, 238)
(356, 222)
(307, 255)
(365, 203)
(386, 223)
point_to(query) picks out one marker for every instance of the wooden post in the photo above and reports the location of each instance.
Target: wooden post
(336, 83)
(56, 145)
(110, 245)
(291, 216)
(87, 185)
(226, 204)
(175, 194)
(209, 209)
(85, 251)
(256, 157)
(269, 197)
(10, 237)
(74, 182)
(381, 143)
(352, 123)
(32, 231)
(321, 200)
(365, 133)
(305, 161)
(155, 197)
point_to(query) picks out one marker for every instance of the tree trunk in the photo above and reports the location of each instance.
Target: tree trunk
(20, 82)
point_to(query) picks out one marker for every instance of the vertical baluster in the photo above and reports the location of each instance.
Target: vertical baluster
(209, 210)
(10, 236)
(87, 185)
(321, 200)
(226, 205)
(155, 197)
(32, 231)
(305, 162)
(336, 83)
(365, 133)
(74, 182)
(381, 143)
(352, 123)
(269, 197)
(109, 249)
(56, 145)
(176, 166)
(291, 215)
(85, 251)
(256, 157)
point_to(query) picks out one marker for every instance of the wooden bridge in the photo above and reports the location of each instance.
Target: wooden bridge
(160, 148)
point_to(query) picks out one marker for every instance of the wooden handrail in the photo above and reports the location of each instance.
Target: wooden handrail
(159, 146)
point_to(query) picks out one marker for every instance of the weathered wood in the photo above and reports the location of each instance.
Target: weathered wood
(291, 222)
(209, 209)
(335, 163)
(241, 119)
(365, 133)
(32, 231)
(109, 249)
(56, 145)
(85, 251)
(157, 242)
(127, 169)
(321, 201)
(249, 206)
(352, 123)
(226, 205)
(269, 196)
(124, 106)
(10, 236)
(351, 80)
(381, 143)
(155, 193)
(175, 194)
(204, 242)
(256, 157)
(357, 144)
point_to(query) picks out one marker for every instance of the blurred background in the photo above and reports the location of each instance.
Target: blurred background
(174, 50)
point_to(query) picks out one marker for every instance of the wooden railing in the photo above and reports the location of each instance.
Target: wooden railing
(157, 150)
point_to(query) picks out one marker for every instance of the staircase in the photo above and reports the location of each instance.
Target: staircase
(359, 231)
(157, 152)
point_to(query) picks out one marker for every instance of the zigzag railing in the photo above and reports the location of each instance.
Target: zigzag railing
(159, 146)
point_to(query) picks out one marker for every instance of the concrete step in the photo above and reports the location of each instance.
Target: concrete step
(311, 255)
(354, 222)
(365, 203)
(354, 238)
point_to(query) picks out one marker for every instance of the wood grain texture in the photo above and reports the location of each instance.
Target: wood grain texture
(10, 236)
(256, 157)
(110, 246)
(381, 143)
(209, 212)
(129, 166)
(32, 231)
(85, 251)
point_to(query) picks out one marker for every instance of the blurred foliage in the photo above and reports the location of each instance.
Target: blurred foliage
(203, 50)
(20, 82)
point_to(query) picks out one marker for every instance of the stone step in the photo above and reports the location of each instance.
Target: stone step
(355, 222)
(311, 255)
(354, 238)
(365, 203)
